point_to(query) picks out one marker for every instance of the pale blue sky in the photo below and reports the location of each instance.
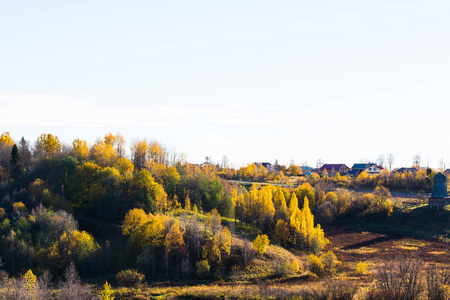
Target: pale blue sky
(253, 80)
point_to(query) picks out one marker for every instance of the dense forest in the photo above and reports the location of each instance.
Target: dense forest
(151, 215)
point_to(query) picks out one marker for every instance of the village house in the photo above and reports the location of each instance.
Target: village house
(332, 169)
(306, 170)
(266, 165)
(405, 170)
(373, 170)
(358, 168)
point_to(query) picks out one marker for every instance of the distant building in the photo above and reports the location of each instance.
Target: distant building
(439, 198)
(332, 169)
(266, 165)
(373, 170)
(306, 170)
(358, 168)
(405, 170)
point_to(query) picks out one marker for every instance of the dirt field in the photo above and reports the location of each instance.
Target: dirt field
(352, 247)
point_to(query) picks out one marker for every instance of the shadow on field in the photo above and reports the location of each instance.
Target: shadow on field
(370, 242)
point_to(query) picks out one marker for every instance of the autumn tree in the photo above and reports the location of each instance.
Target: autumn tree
(139, 152)
(80, 149)
(50, 143)
(148, 193)
(211, 251)
(134, 219)
(31, 287)
(174, 244)
(305, 190)
(294, 170)
(6, 140)
(104, 154)
(281, 233)
(147, 238)
(279, 201)
(125, 167)
(260, 244)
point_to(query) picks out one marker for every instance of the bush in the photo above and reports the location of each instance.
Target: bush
(281, 268)
(438, 283)
(202, 268)
(329, 261)
(323, 265)
(315, 265)
(260, 243)
(402, 279)
(130, 278)
(361, 268)
(295, 266)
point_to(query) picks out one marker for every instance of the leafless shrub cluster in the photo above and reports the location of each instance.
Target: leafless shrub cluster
(21, 289)
(438, 283)
(411, 279)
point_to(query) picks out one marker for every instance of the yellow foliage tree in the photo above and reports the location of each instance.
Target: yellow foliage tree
(104, 154)
(125, 167)
(281, 233)
(260, 244)
(31, 285)
(187, 203)
(225, 241)
(139, 150)
(80, 148)
(6, 140)
(279, 200)
(134, 219)
(211, 251)
(82, 244)
(50, 143)
(107, 292)
(174, 241)
(295, 266)
(149, 234)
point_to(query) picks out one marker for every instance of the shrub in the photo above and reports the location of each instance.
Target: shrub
(438, 283)
(326, 212)
(329, 261)
(295, 266)
(202, 268)
(130, 278)
(315, 265)
(361, 268)
(260, 243)
(281, 268)
(107, 293)
(340, 290)
(402, 279)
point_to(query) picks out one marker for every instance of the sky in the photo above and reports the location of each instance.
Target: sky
(341, 81)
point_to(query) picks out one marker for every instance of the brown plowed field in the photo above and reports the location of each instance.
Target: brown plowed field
(352, 246)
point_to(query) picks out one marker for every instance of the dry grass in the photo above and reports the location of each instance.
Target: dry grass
(362, 250)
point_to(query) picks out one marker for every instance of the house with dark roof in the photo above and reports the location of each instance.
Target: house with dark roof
(358, 168)
(332, 169)
(405, 170)
(266, 165)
